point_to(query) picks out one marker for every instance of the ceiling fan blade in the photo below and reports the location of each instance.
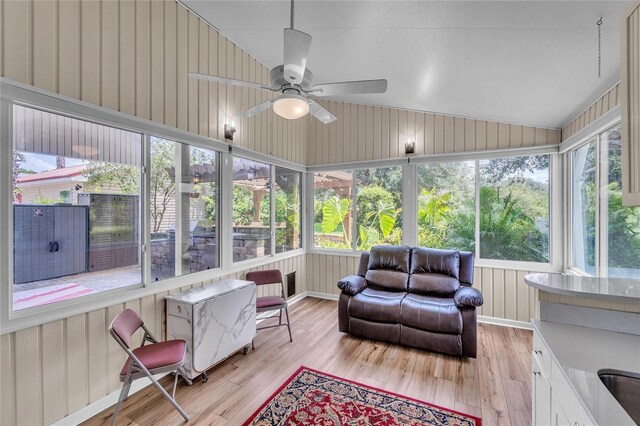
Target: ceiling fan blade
(296, 52)
(320, 113)
(234, 82)
(258, 108)
(350, 88)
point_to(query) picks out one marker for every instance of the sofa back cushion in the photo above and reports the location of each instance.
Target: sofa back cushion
(363, 265)
(388, 267)
(434, 271)
(466, 268)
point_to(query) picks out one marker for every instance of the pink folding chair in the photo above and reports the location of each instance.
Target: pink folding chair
(270, 303)
(145, 361)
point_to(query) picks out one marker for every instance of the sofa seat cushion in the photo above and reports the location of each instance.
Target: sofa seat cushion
(431, 313)
(376, 305)
(450, 344)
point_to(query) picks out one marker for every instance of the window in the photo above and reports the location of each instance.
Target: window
(251, 209)
(623, 223)
(76, 208)
(605, 234)
(583, 202)
(332, 209)
(446, 205)
(65, 197)
(514, 208)
(183, 201)
(378, 207)
(378, 213)
(288, 209)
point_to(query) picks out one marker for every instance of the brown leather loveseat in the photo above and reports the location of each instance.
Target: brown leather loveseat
(414, 296)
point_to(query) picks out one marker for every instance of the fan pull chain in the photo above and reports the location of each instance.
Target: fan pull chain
(599, 23)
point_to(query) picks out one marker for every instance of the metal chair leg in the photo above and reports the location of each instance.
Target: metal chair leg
(123, 393)
(253, 348)
(166, 394)
(175, 385)
(280, 317)
(126, 392)
(286, 311)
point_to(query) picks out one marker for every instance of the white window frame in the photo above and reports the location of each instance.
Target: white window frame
(555, 199)
(301, 200)
(18, 93)
(410, 193)
(352, 167)
(601, 204)
(590, 132)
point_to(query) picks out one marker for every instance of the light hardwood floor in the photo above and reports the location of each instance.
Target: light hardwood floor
(495, 386)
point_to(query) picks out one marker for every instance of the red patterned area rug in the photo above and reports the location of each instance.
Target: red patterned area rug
(311, 397)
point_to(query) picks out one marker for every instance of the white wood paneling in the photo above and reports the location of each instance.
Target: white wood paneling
(630, 89)
(45, 133)
(133, 56)
(55, 369)
(596, 110)
(373, 133)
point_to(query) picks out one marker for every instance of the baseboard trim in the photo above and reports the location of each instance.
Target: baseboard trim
(319, 295)
(103, 403)
(505, 322)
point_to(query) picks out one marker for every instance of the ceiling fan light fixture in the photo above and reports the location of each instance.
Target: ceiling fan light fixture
(291, 106)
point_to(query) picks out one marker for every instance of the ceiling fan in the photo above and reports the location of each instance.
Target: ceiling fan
(295, 81)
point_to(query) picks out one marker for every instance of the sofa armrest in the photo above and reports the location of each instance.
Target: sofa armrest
(352, 285)
(467, 297)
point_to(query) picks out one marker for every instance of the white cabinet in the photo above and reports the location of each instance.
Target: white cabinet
(630, 90)
(215, 320)
(541, 394)
(558, 418)
(553, 400)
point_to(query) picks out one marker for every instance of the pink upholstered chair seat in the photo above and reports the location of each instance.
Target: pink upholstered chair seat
(161, 354)
(267, 301)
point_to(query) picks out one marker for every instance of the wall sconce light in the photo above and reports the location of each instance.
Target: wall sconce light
(229, 130)
(410, 147)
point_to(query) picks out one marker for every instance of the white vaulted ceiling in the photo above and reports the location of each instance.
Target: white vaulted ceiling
(525, 62)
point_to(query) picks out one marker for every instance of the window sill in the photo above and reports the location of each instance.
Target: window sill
(47, 313)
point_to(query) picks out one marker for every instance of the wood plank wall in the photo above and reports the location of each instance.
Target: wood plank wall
(596, 110)
(55, 369)
(133, 56)
(365, 132)
(45, 133)
(505, 294)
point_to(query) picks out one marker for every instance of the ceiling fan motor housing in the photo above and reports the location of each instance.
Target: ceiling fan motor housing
(277, 80)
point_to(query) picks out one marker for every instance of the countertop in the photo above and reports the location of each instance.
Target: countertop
(581, 352)
(611, 289)
(209, 291)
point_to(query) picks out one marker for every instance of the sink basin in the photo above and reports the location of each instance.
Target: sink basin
(625, 388)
